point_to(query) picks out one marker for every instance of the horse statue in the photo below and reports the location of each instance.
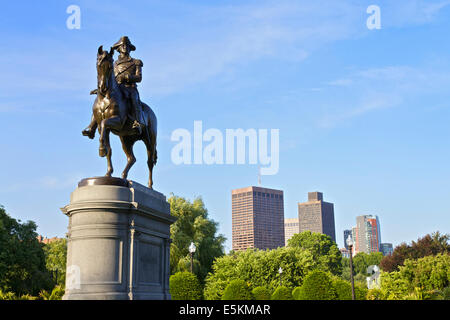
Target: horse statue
(112, 112)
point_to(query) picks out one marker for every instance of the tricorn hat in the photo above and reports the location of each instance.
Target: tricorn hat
(123, 40)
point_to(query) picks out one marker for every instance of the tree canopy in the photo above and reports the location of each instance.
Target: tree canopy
(429, 245)
(193, 225)
(55, 259)
(424, 278)
(22, 258)
(323, 249)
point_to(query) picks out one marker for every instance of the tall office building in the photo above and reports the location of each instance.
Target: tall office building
(290, 228)
(317, 215)
(368, 236)
(257, 218)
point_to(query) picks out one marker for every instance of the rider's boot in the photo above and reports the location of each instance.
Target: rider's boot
(138, 126)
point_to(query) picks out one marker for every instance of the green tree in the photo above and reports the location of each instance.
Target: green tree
(185, 286)
(362, 261)
(237, 290)
(343, 289)
(55, 260)
(394, 286)
(324, 250)
(428, 273)
(360, 291)
(419, 279)
(22, 259)
(317, 286)
(193, 225)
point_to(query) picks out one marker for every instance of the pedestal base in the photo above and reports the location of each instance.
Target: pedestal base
(118, 241)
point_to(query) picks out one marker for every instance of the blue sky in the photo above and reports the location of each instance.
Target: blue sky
(363, 114)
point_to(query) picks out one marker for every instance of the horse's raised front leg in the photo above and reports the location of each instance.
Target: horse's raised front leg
(90, 129)
(127, 146)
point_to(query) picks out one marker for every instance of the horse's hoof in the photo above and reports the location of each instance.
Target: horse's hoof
(102, 152)
(88, 133)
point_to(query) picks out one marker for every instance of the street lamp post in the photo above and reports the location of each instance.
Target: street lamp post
(350, 246)
(192, 249)
(280, 271)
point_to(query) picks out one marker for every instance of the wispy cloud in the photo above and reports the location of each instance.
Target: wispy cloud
(380, 88)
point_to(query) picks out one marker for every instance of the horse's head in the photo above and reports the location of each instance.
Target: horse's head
(104, 69)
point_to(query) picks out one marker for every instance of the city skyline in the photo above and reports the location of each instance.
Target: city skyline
(362, 114)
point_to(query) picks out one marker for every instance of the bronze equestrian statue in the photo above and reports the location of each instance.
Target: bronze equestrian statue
(118, 109)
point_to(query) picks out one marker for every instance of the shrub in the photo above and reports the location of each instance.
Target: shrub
(27, 297)
(56, 294)
(317, 286)
(343, 289)
(296, 293)
(237, 290)
(446, 293)
(360, 292)
(282, 293)
(374, 294)
(12, 296)
(261, 293)
(7, 295)
(185, 286)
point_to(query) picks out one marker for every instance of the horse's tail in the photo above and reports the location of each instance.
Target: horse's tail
(151, 123)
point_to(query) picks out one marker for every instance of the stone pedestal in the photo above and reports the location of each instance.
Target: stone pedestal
(118, 241)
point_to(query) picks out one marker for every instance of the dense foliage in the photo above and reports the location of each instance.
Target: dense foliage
(185, 286)
(259, 268)
(55, 260)
(361, 262)
(22, 258)
(343, 289)
(261, 293)
(323, 249)
(428, 245)
(317, 286)
(193, 225)
(424, 278)
(237, 290)
(282, 293)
